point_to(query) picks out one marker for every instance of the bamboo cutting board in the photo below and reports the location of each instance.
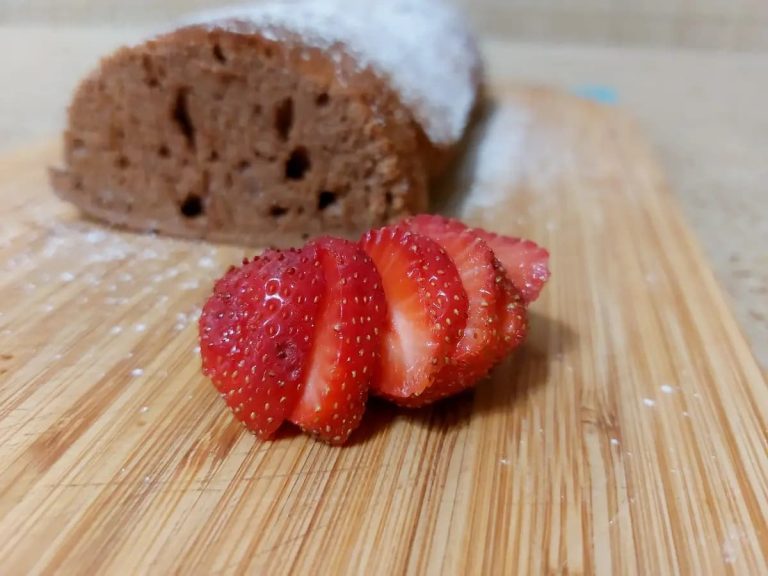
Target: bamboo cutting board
(628, 436)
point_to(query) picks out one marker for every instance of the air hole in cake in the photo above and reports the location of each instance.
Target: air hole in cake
(213, 156)
(163, 151)
(243, 165)
(77, 144)
(298, 164)
(149, 72)
(388, 198)
(123, 162)
(181, 116)
(219, 54)
(192, 207)
(322, 99)
(276, 211)
(284, 118)
(325, 199)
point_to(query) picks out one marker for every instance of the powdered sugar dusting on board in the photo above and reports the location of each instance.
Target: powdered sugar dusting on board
(421, 46)
(494, 162)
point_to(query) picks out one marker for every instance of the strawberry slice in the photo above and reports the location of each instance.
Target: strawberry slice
(256, 333)
(427, 309)
(496, 314)
(346, 354)
(512, 313)
(475, 352)
(526, 263)
(511, 317)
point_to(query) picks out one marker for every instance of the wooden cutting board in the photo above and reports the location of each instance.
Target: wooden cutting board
(628, 436)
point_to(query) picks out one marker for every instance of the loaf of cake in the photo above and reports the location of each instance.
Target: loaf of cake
(272, 123)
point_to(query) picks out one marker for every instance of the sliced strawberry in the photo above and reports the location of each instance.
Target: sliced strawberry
(256, 333)
(475, 353)
(346, 354)
(512, 320)
(512, 313)
(526, 263)
(427, 309)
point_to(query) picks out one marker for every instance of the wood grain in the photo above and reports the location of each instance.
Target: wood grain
(628, 436)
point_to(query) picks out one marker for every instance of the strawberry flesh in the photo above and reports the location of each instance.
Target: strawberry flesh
(427, 309)
(346, 353)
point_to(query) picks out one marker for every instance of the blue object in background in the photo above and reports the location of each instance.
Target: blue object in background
(598, 93)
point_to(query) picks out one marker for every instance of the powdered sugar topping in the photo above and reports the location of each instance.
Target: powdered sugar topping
(421, 46)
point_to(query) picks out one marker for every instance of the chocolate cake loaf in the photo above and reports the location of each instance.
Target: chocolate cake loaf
(269, 124)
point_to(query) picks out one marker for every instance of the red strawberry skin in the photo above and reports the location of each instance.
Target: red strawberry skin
(427, 309)
(526, 263)
(256, 334)
(346, 353)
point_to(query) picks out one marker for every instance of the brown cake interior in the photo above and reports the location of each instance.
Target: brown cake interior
(233, 137)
